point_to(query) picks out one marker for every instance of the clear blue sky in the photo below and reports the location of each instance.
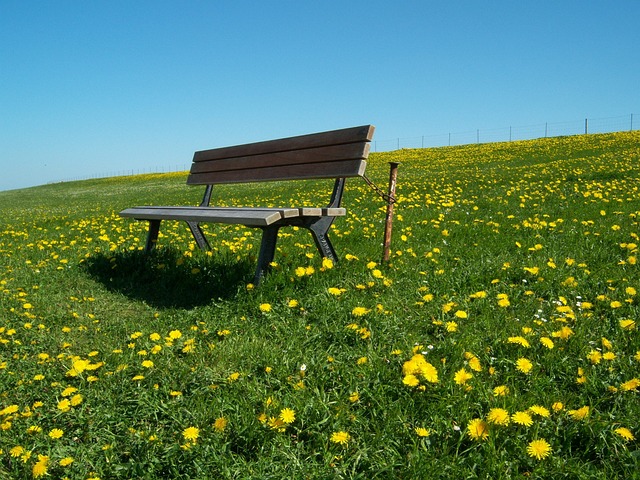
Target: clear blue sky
(88, 87)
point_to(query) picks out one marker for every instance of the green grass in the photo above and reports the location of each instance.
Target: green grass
(495, 247)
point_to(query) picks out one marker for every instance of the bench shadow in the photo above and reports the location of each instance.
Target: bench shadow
(163, 279)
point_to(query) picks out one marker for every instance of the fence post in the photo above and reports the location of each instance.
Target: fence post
(391, 198)
(586, 126)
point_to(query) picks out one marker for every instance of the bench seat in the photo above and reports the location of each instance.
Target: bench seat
(249, 216)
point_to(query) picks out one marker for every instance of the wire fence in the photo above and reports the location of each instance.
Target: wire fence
(509, 134)
(505, 134)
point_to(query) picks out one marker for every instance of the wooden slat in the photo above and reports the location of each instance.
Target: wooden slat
(322, 212)
(346, 168)
(258, 217)
(335, 137)
(352, 151)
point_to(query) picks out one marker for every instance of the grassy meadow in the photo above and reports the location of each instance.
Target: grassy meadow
(500, 341)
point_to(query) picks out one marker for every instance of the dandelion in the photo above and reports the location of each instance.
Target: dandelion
(557, 406)
(524, 365)
(335, 291)
(547, 342)
(64, 405)
(539, 410)
(66, 461)
(220, 424)
(16, 451)
(341, 438)
(539, 449)
(580, 413)
(147, 364)
(175, 334)
(520, 341)
(56, 433)
(627, 324)
(360, 311)
(629, 385)
(461, 314)
(522, 418)
(625, 433)
(354, 397)
(265, 307)
(191, 434)
(422, 432)
(478, 429)
(501, 391)
(40, 467)
(287, 415)
(411, 380)
(498, 416)
(462, 376)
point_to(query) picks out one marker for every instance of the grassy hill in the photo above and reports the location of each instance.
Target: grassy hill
(500, 341)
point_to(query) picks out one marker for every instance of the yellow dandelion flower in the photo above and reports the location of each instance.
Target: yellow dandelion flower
(629, 385)
(520, 341)
(334, 291)
(625, 433)
(627, 324)
(220, 424)
(478, 429)
(175, 334)
(547, 342)
(461, 376)
(265, 307)
(539, 449)
(56, 433)
(64, 405)
(522, 418)
(501, 391)
(540, 410)
(594, 356)
(287, 415)
(354, 397)
(498, 416)
(524, 365)
(411, 380)
(16, 451)
(474, 364)
(360, 311)
(422, 432)
(341, 438)
(580, 413)
(66, 461)
(191, 434)
(40, 467)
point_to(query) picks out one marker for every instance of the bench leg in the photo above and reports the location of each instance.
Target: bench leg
(267, 252)
(198, 235)
(320, 231)
(152, 236)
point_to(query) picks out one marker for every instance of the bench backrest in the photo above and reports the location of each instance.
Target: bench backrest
(334, 154)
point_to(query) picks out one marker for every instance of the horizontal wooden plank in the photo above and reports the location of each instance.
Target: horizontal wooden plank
(322, 212)
(335, 137)
(258, 217)
(351, 151)
(345, 168)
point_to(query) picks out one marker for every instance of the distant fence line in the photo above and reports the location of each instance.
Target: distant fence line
(509, 134)
(505, 134)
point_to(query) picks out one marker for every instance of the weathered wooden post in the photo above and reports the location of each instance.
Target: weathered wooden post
(391, 199)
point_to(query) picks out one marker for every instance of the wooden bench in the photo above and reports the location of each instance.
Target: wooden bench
(335, 154)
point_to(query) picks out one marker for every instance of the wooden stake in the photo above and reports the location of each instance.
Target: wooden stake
(391, 198)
